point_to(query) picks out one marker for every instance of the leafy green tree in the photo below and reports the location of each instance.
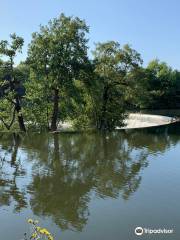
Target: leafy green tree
(112, 67)
(11, 89)
(161, 84)
(154, 87)
(57, 54)
(137, 93)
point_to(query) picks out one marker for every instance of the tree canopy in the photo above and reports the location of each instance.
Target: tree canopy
(60, 82)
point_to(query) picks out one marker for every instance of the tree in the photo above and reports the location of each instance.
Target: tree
(137, 93)
(161, 84)
(11, 88)
(154, 87)
(57, 55)
(112, 67)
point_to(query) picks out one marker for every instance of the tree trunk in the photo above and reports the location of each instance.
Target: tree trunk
(20, 116)
(103, 121)
(55, 110)
(17, 100)
(21, 123)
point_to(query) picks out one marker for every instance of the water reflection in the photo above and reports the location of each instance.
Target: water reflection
(77, 165)
(68, 169)
(10, 169)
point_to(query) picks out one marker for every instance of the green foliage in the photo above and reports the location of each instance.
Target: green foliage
(112, 66)
(161, 84)
(59, 83)
(57, 54)
(37, 106)
(10, 86)
(154, 87)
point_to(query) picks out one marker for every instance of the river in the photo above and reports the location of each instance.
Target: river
(84, 186)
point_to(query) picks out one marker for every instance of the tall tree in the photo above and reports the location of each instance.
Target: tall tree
(112, 67)
(10, 83)
(58, 53)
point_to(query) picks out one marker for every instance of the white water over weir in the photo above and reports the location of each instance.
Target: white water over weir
(138, 120)
(134, 120)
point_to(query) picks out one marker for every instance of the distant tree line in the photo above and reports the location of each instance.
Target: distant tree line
(59, 82)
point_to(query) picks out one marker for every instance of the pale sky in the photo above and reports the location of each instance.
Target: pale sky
(151, 27)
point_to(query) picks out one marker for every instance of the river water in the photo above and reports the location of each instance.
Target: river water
(86, 186)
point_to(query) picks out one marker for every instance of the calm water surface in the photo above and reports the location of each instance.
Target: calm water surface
(91, 186)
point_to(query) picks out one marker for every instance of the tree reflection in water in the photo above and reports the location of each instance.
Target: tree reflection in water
(10, 170)
(77, 165)
(68, 168)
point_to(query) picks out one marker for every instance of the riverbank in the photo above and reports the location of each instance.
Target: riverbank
(134, 121)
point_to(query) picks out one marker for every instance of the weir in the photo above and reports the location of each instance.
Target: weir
(139, 120)
(134, 120)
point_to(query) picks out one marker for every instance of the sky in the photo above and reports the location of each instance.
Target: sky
(152, 27)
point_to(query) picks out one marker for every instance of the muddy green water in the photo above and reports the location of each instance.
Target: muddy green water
(91, 186)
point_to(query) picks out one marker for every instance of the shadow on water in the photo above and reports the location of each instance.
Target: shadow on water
(67, 169)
